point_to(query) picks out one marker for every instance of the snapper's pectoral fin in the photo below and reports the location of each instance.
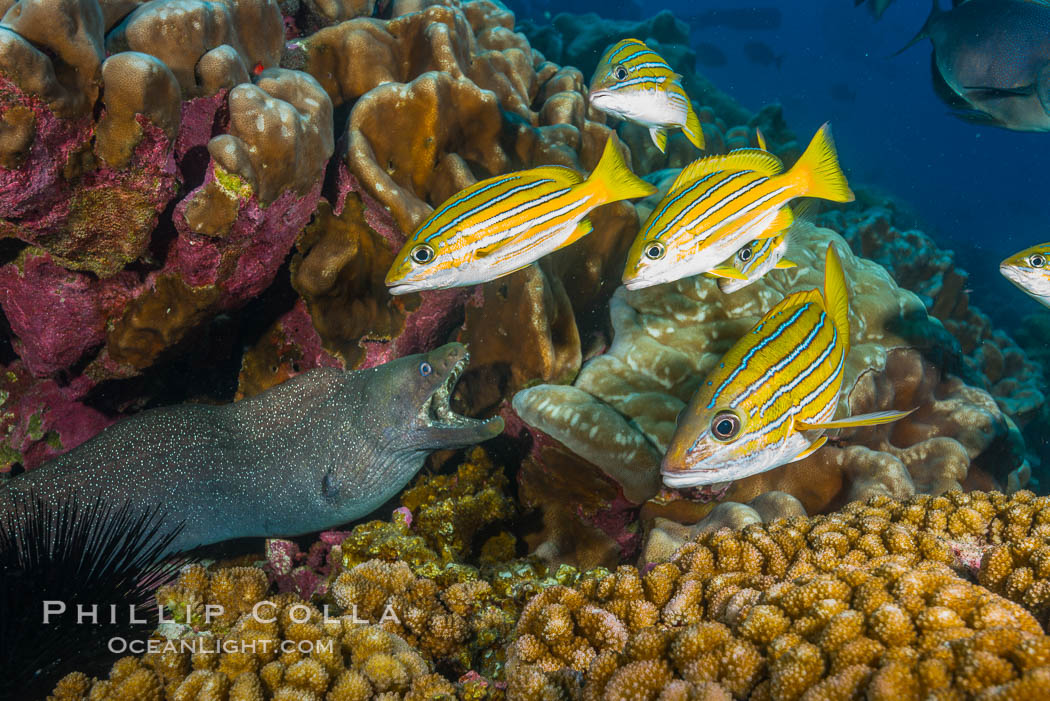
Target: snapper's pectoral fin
(785, 264)
(726, 271)
(581, 230)
(659, 135)
(784, 219)
(873, 419)
(813, 447)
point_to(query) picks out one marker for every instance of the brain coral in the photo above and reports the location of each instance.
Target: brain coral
(619, 413)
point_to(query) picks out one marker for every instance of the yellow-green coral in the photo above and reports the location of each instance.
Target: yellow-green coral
(449, 510)
(445, 514)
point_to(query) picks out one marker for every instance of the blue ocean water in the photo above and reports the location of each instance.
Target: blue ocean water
(978, 190)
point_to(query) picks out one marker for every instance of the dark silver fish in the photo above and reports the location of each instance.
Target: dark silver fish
(842, 92)
(991, 61)
(710, 55)
(760, 53)
(742, 18)
(877, 7)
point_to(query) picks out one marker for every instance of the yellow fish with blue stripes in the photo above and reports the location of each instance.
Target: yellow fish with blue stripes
(1030, 271)
(635, 83)
(719, 203)
(502, 224)
(773, 394)
(751, 262)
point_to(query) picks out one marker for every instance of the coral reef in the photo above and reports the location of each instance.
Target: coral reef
(291, 650)
(618, 415)
(983, 355)
(174, 199)
(862, 601)
(182, 176)
(875, 599)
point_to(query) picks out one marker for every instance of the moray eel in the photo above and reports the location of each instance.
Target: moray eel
(322, 449)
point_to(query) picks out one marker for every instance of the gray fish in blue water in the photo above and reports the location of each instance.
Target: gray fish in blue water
(878, 7)
(760, 53)
(842, 92)
(991, 61)
(710, 55)
(742, 18)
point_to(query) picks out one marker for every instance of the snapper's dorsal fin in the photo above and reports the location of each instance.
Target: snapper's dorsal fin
(836, 296)
(755, 159)
(792, 301)
(559, 174)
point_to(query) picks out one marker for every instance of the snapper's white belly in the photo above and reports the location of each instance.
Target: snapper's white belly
(651, 108)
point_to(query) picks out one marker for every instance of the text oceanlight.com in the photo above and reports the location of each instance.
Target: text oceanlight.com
(208, 644)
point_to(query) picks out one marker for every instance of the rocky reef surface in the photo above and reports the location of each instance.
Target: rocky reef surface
(202, 216)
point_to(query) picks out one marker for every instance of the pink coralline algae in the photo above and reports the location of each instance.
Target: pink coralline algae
(244, 261)
(57, 315)
(40, 419)
(87, 214)
(305, 574)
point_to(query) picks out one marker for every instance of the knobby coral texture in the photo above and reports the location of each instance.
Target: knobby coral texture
(917, 598)
(200, 200)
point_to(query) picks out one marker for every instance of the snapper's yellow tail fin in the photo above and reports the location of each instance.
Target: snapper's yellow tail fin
(817, 173)
(692, 129)
(613, 180)
(836, 296)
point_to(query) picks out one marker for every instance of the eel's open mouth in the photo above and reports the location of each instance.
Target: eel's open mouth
(438, 413)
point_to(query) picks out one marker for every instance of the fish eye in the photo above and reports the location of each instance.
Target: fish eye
(725, 426)
(620, 73)
(425, 368)
(1037, 260)
(422, 253)
(745, 254)
(654, 251)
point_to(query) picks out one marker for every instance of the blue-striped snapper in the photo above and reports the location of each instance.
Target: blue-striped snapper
(635, 83)
(719, 203)
(773, 394)
(751, 262)
(502, 224)
(1030, 271)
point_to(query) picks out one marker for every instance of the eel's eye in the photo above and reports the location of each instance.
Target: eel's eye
(745, 254)
(425, 368)
(1037, 260)
(654, 251)
(620, 73)
(422, 253)
(725, 426)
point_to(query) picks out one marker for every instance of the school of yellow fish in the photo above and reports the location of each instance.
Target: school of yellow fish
(774, 393)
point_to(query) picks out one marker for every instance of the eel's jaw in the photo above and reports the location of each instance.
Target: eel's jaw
(447, 428)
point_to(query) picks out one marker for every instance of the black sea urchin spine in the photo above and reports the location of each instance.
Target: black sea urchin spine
(78, 552)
